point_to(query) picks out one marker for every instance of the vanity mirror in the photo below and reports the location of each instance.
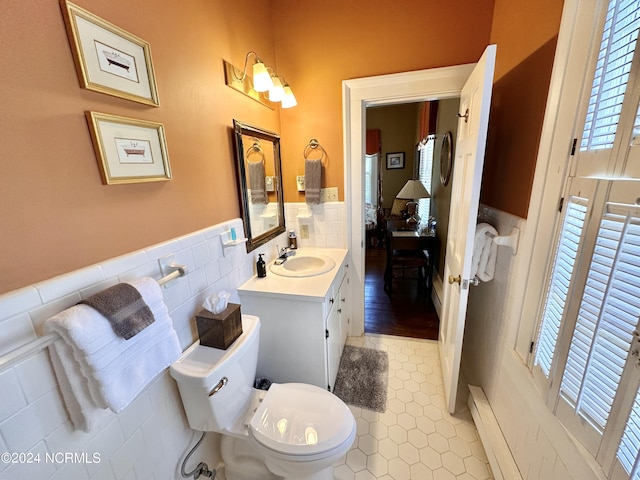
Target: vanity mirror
(260, 183)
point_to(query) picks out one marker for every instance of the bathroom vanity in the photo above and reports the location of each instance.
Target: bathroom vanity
(304, 320)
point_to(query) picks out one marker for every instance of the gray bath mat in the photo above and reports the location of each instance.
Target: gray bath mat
(362, 378)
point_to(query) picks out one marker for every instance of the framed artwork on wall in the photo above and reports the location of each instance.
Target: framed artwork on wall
(129, 150)
(395, 160)
(108, 59)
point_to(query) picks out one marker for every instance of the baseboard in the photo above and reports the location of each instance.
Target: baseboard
(501, 461)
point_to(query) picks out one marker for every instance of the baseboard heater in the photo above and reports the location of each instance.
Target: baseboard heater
(502, 464)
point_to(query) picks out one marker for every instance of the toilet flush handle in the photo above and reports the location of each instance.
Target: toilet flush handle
(223, 381)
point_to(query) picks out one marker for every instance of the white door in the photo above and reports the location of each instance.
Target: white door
(467, 177)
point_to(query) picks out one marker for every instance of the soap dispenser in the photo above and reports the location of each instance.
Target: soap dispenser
(293, 240)
(261, 267)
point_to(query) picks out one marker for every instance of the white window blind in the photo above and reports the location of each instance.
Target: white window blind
(608, 315)
(371, 179)
(558, 289)
(425, 172)
(630, 442)
(611, 75)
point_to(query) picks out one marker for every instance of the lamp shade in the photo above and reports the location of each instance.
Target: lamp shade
(413, 189)
(276, 92)
(261, 78)
(289, 99)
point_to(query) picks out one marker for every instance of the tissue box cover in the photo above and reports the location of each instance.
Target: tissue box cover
(219, 330)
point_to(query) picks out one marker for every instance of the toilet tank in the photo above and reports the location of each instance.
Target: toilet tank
(201, 370)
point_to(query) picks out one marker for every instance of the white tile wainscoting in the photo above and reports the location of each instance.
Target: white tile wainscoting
(150, 437)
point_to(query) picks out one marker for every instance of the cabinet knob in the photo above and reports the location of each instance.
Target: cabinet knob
(331, 300)
(339, 310)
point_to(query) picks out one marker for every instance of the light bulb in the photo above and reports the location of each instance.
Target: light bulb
(289, 99)
(261, 78)
(276, 93)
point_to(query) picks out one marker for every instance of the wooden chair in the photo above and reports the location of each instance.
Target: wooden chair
(409, 252)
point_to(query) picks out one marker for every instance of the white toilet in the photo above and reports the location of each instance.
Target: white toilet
(296, 431)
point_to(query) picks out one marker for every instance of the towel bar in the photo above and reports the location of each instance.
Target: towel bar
(21, 353)
(510, 240)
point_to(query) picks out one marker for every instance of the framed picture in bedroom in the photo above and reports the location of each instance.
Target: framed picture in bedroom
(129, 150)
(395, 160)
(108, 59)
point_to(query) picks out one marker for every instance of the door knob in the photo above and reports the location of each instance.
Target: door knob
(453, 279)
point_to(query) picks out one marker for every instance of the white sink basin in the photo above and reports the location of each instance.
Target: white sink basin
(304, 266)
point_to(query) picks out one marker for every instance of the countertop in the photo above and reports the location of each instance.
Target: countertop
(303, 288)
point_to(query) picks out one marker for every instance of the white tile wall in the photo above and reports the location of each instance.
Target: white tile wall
(148, 439)
(539, 444)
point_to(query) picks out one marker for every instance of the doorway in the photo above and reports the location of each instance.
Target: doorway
(415, 131)
(358, 94)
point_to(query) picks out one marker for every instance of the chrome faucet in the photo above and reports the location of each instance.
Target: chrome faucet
(283, 253)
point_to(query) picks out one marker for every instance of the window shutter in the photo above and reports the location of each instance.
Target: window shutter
(611, 75)
(562, 271)
(424, 175)
(630, 442)
(607, 317)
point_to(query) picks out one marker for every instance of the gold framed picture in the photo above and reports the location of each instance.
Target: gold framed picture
(129, 150)
(108, 59)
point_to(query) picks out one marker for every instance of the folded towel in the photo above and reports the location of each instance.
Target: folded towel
(312, 181)
(124, 307)
(97, 369)
(485, 251)
(257, 183)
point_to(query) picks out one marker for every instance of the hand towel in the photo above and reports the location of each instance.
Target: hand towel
(485, 251)
(257, 183)
(124, 307)
(97, 369)
(312, 181)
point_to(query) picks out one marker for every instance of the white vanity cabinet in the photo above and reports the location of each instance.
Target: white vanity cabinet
(304, 322)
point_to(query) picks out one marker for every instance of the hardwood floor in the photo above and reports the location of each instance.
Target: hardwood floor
(406, 312)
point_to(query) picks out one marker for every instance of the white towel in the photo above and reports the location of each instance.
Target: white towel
(97, 369)
(485, 251)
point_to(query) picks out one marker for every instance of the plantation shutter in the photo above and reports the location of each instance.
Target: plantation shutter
(425, 171)
(560, 278)
(607, 317)
(611, 75)
(371, 179)
(630, 443)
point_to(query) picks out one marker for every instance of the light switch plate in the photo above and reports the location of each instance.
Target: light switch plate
(329, 194)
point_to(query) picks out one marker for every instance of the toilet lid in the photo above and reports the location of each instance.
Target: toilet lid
(301, 419)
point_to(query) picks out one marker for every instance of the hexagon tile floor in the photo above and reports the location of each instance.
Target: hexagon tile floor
(416, 438)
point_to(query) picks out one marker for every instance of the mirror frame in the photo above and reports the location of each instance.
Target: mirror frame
(240, 129)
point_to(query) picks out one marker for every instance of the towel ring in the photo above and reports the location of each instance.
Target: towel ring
(314, 145)
(255, 149)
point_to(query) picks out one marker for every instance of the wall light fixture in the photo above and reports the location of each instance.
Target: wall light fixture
(264, 85)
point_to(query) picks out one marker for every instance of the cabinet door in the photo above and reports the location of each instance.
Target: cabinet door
(344, 310)
(334, 344)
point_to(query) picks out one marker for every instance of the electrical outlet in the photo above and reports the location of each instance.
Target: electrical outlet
(304, 232)
(329, 194)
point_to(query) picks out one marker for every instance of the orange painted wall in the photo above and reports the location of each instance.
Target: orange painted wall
(55, 214)
(521, 85)
(319, 46)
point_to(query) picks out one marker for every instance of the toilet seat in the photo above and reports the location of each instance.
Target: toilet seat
(300, 420)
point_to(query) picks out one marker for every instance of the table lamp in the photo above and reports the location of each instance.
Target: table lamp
(412, 190)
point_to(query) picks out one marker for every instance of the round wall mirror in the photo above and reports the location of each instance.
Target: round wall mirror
(445, 159)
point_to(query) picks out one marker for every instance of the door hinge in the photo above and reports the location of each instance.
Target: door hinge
(326, 334)
(531, 347)
(561, 204)
(573, 146)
